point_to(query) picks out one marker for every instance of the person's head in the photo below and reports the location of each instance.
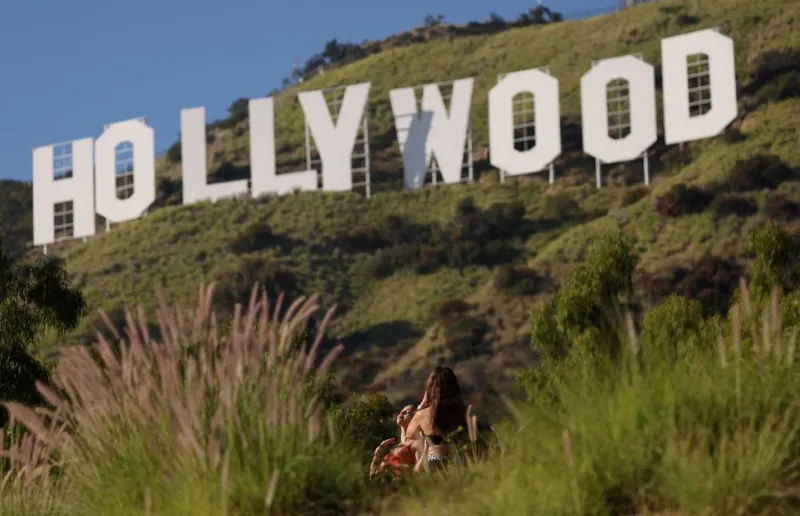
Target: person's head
(405, 415)
(443, 396)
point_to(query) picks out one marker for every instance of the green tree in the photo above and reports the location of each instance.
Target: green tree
(672, 328)
(583, 311)
(34, 297)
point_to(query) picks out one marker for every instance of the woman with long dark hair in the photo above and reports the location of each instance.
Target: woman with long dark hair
(441, 420)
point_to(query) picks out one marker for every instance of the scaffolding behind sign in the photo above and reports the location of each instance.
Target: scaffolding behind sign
(334, 97)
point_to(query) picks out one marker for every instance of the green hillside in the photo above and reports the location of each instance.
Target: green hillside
(347, 248)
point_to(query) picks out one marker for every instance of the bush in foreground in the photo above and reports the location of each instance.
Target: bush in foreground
(714, 433)
(190, 425)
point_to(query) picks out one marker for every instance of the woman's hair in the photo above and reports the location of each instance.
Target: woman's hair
(443, 396)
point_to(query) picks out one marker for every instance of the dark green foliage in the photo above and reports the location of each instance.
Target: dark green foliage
(336, 54)
(781, 207)
(682, 200)
(762, 171)
(777, 261)
(672, 327)
(583, 312)
(473, 237)
(174, 154)
(560, 206)
(235, 280)
(364, 421)
(633, 195)
(732, 204)
(539, 15)
(254, 237)
(776, 77)
(546, 337)
(772, 64)
(169, 192)
(684, 19)
(464, 335)
(711, 281)
(238, 112)
(451, 309)
(517, 280)
(34, 297)
(394, 230)
(597, 285)
(433, 20)
(786, 86)
(733, 135)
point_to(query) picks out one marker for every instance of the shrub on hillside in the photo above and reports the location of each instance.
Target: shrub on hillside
(234, 281)
(584, 311)
(657, 431)
(683, 199)
(632, 195)
(169, 192)
(560, 206)
(546, 336)
(473, 237)
(762, 171)
(670, 330)
(174, 152)
(451, 309)
(732, 204)
(777, 262)
(393, 230)
(362, 239)
(733, 135)
(686, 19)
(599, 285)
(254, 237)
(238, 112)
(780, 207)
(772, 65)
(36, 298)
(785, 86)
(386, 261)
(464, 335)
(517, 280)
(363, 421)
(711, 281)
(503, 219)
(396, 229)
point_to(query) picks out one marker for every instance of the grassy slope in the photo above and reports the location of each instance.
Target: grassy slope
(182, 246)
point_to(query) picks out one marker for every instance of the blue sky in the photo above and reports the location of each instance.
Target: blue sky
(67, 67)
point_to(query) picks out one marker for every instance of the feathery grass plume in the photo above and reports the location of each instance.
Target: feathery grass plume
(197, 420)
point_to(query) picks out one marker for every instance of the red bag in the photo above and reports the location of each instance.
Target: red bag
(399, 457)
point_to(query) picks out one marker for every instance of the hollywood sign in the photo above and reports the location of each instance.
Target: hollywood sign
(433, 132)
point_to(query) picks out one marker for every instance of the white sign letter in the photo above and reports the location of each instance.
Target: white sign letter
(501, 122)
(433, 132)
(78, 190)
(335, 141)
(262, 155)
(679, 125)
(641, 108)
(142, 138)
(195, 165)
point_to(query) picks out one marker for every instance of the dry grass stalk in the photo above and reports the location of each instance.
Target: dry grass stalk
(191, 380)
